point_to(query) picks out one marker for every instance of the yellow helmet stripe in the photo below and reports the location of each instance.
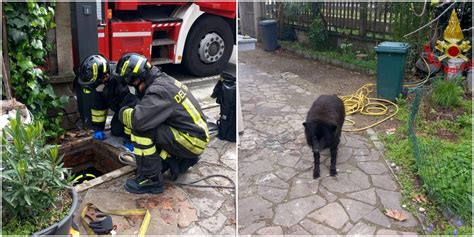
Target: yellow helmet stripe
(124, 67)
(140, 61)
(105, 66)
(94, 71)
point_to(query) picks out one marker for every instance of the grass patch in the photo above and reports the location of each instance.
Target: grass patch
(446, 93)
(444, 171)
(347, 57)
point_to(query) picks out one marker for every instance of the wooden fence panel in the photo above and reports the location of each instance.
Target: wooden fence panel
(372, 20)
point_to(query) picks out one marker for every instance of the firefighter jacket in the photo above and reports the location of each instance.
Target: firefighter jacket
(168, 101)
(113, 95)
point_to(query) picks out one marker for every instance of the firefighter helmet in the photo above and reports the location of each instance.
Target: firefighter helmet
(132, 66)
(93, 70)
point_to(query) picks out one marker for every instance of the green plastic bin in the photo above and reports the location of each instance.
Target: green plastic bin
(391, 60)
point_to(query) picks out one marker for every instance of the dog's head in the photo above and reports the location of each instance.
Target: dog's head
(319, 135)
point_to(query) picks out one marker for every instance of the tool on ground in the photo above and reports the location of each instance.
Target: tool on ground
(128, 158)
(102, 224)
(90, 210)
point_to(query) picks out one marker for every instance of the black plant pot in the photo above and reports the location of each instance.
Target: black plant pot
(62, 227)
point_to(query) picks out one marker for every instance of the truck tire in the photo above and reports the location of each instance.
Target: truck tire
(208, 47)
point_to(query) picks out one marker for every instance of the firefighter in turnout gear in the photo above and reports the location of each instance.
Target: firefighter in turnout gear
(169, 129)
(96, 77)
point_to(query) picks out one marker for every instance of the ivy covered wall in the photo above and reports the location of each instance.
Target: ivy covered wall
(27, 27)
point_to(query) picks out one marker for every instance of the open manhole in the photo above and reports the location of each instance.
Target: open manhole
(90, 159)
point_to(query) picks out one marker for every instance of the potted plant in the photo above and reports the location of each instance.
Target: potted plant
(36, 195)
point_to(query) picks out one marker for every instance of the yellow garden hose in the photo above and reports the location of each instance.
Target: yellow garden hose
(359, 102)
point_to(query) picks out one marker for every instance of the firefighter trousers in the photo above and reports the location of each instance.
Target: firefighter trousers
(118, 129)
(154, 146)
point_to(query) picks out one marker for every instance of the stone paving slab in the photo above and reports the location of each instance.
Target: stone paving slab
(277, 194)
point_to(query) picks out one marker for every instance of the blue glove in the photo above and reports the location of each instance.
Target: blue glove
(99, 135)
(128, 144)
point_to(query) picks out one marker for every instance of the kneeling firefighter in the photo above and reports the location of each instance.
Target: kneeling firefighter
(103, 91)
(169, 129)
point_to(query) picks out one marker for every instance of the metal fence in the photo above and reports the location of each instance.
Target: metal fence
(440, 174)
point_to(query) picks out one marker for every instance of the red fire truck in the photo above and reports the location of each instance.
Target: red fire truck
(198, 34)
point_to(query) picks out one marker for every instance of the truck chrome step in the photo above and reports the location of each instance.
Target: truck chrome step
(163, 20)
(165, 41)
(159, 61)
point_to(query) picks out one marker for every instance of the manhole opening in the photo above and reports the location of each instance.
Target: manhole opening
(90, 158)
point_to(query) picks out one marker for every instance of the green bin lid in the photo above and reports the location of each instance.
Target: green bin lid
(392, 47)
(267, 22)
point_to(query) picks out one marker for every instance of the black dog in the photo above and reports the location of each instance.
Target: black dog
(323, 128)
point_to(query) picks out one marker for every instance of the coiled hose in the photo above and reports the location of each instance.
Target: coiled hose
(359, 102)
(128, 158)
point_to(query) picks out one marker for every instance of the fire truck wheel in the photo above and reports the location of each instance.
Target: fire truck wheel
(208, 47)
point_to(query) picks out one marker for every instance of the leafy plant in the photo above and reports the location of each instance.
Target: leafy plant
(33, 174)
(317, 34)
(446, 93)
(288, 33)
(27, 25)
(346, 48)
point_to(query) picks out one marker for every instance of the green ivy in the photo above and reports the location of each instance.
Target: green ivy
(27, 26)
(318, 34)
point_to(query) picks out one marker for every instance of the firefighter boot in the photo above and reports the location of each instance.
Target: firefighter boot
(172, 163)
(186, 163)
(165, 167)
(145, 184)
(149, 178)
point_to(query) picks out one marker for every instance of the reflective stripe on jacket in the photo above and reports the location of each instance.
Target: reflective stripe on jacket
(168, 101)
